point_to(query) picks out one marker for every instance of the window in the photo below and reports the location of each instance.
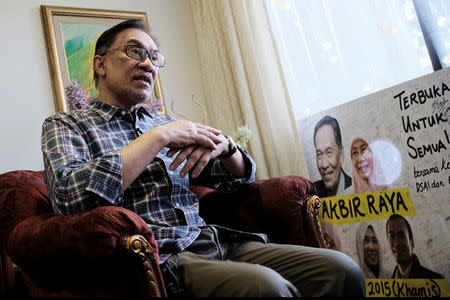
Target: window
(435, 23)
(334, 51)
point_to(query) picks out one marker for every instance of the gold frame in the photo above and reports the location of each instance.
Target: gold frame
(58, 71)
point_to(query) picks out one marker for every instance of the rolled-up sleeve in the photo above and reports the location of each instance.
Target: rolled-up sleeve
(76, 181)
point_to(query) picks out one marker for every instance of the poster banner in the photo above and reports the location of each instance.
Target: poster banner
(381, 165)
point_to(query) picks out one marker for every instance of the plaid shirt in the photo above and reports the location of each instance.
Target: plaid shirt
(83, 170)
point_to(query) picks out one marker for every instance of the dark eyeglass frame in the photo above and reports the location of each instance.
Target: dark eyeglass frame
(141, 57)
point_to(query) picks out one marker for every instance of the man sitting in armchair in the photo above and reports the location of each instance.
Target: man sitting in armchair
(114, 152)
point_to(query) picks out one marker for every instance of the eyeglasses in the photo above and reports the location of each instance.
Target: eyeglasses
(139, 53)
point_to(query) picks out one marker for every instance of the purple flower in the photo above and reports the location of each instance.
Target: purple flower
(75, 96)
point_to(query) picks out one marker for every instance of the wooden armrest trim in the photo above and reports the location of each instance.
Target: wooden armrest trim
(139, 247)
(313, 205)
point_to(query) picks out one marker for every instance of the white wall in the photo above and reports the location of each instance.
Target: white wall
(27, 98)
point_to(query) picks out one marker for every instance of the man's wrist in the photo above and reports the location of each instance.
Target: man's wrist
(232, 148)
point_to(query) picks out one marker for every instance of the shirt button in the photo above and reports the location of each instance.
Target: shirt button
(177, 204)
(123, 113)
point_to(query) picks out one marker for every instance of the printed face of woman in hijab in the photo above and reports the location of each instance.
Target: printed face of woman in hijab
(371, 248)
(362, 159)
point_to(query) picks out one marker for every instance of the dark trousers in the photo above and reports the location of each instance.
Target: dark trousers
(216, 266)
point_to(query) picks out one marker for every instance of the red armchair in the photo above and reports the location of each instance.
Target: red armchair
(111, 252)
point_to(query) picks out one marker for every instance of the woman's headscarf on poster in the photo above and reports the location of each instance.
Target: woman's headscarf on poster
(367, 270)
(376, 180)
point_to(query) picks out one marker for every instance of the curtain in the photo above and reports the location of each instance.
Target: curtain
(244, 82)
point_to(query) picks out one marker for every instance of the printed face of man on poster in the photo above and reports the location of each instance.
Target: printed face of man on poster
(401, 242)
(329, 158)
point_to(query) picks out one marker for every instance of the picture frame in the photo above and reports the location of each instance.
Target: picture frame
(70, 36)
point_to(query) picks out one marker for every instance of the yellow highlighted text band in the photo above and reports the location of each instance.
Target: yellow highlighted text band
(407, 288)
(355, 208)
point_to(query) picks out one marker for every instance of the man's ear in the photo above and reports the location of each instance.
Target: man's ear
(98, 64)
(341, 155)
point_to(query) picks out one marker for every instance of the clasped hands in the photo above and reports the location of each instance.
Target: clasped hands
(194, 143)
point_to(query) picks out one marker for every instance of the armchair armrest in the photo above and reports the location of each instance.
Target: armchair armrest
(92, 249)
(285, 208)
(105, 252)
(88, 237)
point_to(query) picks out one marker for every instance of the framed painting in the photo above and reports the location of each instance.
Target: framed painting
(70, 36)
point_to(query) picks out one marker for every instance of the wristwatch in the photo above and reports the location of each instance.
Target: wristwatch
(232, 148)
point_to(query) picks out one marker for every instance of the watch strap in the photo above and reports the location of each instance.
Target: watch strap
(232, 148)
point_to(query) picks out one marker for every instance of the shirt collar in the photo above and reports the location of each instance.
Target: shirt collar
(107, 111)
(398, 274)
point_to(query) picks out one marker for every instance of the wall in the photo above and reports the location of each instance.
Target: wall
(25, 81)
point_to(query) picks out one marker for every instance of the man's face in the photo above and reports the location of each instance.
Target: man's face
(128, 81)
(371, 248)
(401, 246)
(329, 157)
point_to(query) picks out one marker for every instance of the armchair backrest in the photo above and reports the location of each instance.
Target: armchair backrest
(22, 194)
(285, 208)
